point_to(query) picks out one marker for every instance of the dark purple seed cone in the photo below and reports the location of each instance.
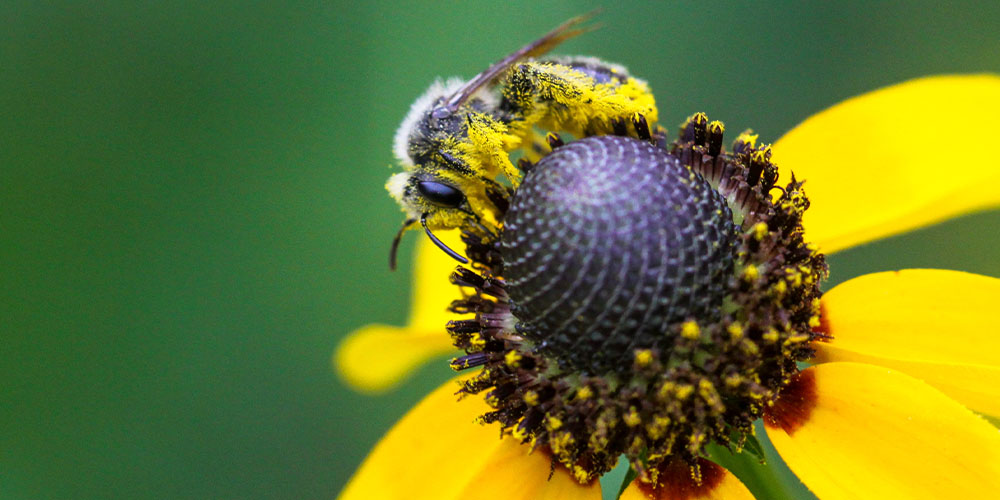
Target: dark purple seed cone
(609, 243)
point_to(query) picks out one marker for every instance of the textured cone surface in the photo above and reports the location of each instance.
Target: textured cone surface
(609, 243)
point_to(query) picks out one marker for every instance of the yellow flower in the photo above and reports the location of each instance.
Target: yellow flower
(884, 412)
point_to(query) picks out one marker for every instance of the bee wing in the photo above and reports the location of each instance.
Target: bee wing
(561, 33)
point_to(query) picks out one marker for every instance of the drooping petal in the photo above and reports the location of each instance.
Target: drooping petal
(676, 483)
(897, 158)
(851, 430)
(376, 357)
(438, 452)
(939, 326)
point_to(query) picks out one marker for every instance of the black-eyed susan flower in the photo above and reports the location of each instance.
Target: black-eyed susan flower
(654, 350)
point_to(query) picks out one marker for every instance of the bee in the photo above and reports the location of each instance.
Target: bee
(455, 144)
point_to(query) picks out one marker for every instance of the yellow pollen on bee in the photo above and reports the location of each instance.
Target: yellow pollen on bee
(512, 358)
(759, 231)
(580, 474)
(690, 330)
(584, 393)
(780, 287)
(643, 357)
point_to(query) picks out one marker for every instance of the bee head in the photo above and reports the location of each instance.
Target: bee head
(437, 203)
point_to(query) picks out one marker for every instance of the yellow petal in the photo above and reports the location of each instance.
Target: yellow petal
(676, 483)
(850, 430)
(376, 357)
(896, 159)
(939, 326)
(432, 292)
(437, 452)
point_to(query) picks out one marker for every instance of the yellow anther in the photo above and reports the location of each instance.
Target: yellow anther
(748, 137)
(584, 393)
(554, 423)
(632, 418)
(666, 389)
(519, 433)
(770, 335)
(735, 330)
(690, 330)
(796, 339)
(478, 340)
(531, 398)
(814, 322)
(751, 273)
(643, 357)
(759, 231)
(683, 391)
(512, 358)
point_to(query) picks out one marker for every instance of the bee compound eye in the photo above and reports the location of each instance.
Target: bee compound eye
(441, 194)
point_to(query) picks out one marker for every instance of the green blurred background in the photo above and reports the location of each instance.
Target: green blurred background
(192, 213)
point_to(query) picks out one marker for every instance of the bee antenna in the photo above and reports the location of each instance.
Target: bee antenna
(395, 243)
(440, 244)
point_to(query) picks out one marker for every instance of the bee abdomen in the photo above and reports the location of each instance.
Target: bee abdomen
(608, 244)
